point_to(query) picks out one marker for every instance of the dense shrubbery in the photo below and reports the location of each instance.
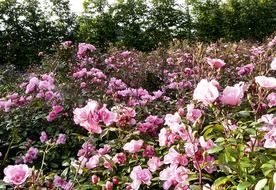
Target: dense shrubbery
(189, 117)
(139, 24)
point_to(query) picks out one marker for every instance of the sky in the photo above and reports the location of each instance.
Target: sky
(76, 5)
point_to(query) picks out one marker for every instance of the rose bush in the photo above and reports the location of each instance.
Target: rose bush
(191, 117)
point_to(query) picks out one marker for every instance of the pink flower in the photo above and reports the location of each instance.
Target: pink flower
(119, 158)
(173, 121)
(32, 85)
(247, 69)
(168, 176)
(174, 158)
(93, 162)
(193, 114)
(108, 185)
(43, 137)
(104, 150)
(154, 163)
(270, 139)
(125, 53)
(94, 179)
(181, 174)
(271, 98)
(206, 145)
(166, 137)
(266, 82)
(88, 117)
(45, 85)
(83, 49)
(273, 65)
(216, 63)
(140, 176)
(57, 109)
(107, 116)
(133, 146)
(16, 174)
(51, 116)
(232, 95)
(206, 92)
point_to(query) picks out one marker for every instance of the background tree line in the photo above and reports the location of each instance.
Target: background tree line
(28, 27)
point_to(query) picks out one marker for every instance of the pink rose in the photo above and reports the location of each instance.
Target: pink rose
(140, 176)
(133, 146)
(216, 63)
(154, 163)
(273, 65)
(166, 137)
(107, 116)
(16, 174)
(174, 158)
(206, 145)
(206, 92)
(266, 82)
(32, 85)
(193, 114)
(270, 139)
(232, 95)
(271, 98)
(173, 121)
(88, 117)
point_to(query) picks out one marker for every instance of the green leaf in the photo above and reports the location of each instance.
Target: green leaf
(260, 185)
(220, 181)
(243, 185)
(215, 149)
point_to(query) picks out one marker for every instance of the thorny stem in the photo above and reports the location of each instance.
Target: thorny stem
(43, 160)
(197, 164)
(7, 152)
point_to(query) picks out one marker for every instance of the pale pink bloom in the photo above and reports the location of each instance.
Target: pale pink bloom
(273, 65)
(133, 146)
(173, 121)
(181, 175)
(166, 137)
(216, 63)
(45, 85)
(193, 114)
(191, 149)
(168, 175)
(95, 179)
(206, 92)
(84, 48)
(16, 174)
(206, 145)
(154, 163)
(88, 117)
(109, 185)
(93, 162)
(104, 150)
(33, 83)
(119, 158)
(232, 95)
(174, 158)
(271, 98)
(107, 116)
(266, 82)
(246, 69)
(270, 139)
(125, 53)
(140, 176)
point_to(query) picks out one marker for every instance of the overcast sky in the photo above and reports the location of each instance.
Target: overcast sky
(76, 5)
